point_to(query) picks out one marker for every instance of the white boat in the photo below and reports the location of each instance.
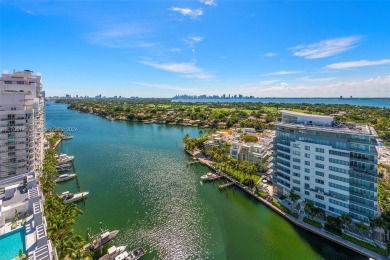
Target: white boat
(112, 252)
(66, 159)
(65, 177)
(122, 256)
(73, 197)
(208, 176)
(136, 254)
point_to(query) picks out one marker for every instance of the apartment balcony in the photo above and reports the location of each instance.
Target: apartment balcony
(283, 152)
(372, 172)
(364, 187)
(284, 159)
(362, 213)
(363, 195)
(362, 160)
(363, 205)
(371, 150)
(281, 169)
(363, 177)
(282, 183)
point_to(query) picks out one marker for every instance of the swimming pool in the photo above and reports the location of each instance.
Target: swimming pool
(11, 243)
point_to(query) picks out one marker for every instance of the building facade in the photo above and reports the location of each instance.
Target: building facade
(334, 165)
(21, 123)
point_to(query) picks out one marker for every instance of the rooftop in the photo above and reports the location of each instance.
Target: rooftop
(347, 128)
(323, 123)
(19, 196)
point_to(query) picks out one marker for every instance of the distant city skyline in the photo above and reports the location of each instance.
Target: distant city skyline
(168, 48)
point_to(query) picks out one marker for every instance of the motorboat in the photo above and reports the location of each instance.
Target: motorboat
(113, 252)
(208, 176)
(136, 254)
(63, 170)
(65, 177)
(73, 197)
(63, 166)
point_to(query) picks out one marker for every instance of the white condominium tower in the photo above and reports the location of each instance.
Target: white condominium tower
(21, 123)
(332, 164)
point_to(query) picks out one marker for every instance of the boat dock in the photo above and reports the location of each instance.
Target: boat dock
(225, 185)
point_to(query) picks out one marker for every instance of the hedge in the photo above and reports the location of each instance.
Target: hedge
(312, 222)
(365, 245)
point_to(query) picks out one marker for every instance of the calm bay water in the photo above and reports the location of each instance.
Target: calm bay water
(372, 102)
(139, 183)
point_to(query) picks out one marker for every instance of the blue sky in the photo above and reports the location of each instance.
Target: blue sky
(162, 48)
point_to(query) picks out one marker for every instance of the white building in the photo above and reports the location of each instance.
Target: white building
(334, 165)
(21, 123)
(259, 152)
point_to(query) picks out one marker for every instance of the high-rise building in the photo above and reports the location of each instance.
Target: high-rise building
(21, 123)
(332, 164)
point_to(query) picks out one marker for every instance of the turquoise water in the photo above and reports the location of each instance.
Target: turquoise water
(373, 102)
(139, 183)
(11, 243)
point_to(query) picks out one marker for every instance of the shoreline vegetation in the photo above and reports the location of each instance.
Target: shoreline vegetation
(60, 217)
(223, 115)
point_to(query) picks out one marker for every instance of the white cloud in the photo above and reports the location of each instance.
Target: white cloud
(209, 2)
(123, 35)
(143, 44)
(270, 54)
(192, 13)
(191, 41)
(268, 82)
(175, 50)
(29, 12)
(316, 79)
(326, 48)
(372, 87)
(187, 70)
(283, 72)
(357, 64)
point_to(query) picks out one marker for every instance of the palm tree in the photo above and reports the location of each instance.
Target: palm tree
(309, 206)
(346, 220)
(293, 197)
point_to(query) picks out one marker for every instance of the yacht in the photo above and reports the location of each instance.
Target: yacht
(133, 255)
(136, 253)
(113, 252)
(65, 177)
(73, 197)
(208, 176)
(63, 170)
